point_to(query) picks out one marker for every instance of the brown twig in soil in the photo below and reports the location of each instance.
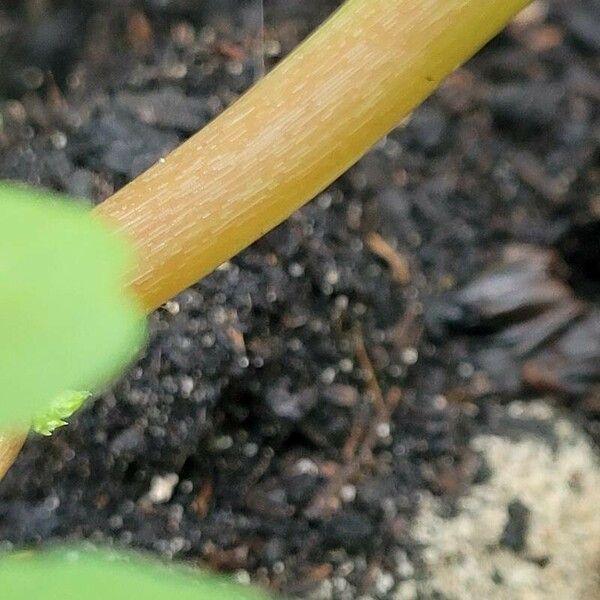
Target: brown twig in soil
(533, 174)
(358, 449)
(396, 261)
(364, 361)
(201, 503)
(10, 446)
(409, 330)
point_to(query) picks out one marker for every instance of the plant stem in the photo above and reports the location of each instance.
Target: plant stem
(289, 137)
(10, 446)
(293, 133)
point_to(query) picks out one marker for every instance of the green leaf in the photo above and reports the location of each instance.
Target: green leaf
(66, 322)
(101, 575)
(61, 408)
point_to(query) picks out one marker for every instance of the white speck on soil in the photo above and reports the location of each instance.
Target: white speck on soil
(383, 430)
(222, 443)
(384, 583)
(348, 493)
(161, 488)
(410, 356)
(243, 577)
(187, 386)
(172, 307)
(306, 466)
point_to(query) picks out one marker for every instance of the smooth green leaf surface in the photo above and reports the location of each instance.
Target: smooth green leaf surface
(66, 322)
(95, 575)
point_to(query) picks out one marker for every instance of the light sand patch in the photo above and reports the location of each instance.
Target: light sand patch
(559, 482)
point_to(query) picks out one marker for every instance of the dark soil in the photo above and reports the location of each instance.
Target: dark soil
(291, 407)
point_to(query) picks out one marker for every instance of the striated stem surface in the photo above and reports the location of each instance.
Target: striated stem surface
(293, 133)
(289, 137)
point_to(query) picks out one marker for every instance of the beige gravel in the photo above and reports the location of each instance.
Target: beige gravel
(561, 487)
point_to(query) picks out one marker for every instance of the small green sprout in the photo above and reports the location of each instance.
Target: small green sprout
(63, 407)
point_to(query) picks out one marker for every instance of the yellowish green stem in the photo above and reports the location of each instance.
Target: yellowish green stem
(293, 133)
(289, 137)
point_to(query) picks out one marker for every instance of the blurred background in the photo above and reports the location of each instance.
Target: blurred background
(396, 394)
